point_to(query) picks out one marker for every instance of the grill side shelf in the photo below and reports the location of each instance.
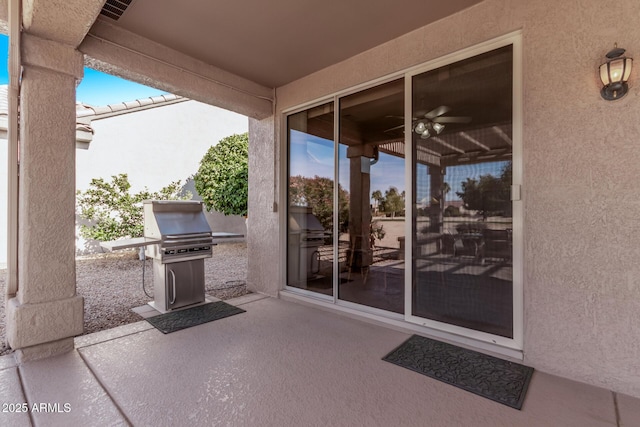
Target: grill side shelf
(136, 242)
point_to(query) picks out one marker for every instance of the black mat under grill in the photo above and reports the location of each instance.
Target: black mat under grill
(177, 320)
(496, 379)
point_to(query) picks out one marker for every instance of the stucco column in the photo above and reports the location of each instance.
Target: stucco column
(46, 313)
(264, 233)
(359, 209)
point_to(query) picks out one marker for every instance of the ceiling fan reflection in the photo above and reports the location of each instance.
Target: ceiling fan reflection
(431, 122)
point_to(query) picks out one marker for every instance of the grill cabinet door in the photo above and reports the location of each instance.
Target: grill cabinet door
(184, 282)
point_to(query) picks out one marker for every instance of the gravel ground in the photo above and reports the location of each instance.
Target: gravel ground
(111, 285)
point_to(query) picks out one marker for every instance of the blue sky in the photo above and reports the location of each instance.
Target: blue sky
(96, 88)
(99, 88)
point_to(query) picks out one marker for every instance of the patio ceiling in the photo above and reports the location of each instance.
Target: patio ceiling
(273, 43)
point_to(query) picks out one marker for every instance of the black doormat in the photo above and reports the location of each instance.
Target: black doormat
(177, 320)
(496, 379)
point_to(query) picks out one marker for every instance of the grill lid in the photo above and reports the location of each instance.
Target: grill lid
(175, 219)
(301, 219)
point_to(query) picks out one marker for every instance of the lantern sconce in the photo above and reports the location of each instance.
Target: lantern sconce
(615, 73)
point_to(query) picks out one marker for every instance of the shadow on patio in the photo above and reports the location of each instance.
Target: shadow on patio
(280, 363)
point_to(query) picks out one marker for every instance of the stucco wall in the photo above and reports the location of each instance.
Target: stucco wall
(4, 182)
(581, 158)
(155, 147)
(263, 259)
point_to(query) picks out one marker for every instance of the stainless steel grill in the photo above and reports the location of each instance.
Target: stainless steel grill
(181, 228)
(178, 238)
(306, 235)
(184, 241)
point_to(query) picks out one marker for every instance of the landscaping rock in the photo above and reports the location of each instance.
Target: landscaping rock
(111, 285)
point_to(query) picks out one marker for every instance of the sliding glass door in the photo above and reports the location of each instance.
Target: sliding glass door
(310, 199)
(371, 167)
(462, 140)
(403, 196)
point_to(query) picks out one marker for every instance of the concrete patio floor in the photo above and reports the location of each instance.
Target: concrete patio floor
(279, 364)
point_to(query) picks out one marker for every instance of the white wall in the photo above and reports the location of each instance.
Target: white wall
(155, 146)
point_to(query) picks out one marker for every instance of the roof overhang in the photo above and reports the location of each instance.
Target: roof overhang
(273, 43)
(234, 54)
(229, 54)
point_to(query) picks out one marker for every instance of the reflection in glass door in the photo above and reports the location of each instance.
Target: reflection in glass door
(371, 167)
(348, 183)
(462, 214)
(310, 199)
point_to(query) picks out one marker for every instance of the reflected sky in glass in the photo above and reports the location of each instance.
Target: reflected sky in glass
(313, 156)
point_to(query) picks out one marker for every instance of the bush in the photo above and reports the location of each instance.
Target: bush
(115, 213)
(223, 177)
(452, 211)
(317, 192)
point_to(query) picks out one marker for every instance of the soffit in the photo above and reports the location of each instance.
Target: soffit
(278, 41)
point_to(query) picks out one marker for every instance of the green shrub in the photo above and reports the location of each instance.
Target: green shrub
(114, 212)
(223, 177)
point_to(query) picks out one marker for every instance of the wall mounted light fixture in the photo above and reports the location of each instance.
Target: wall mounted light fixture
(615, 73)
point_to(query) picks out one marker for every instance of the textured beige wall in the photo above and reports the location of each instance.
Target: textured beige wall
(65, 21)
(263, 260)
(581, 159)
(46, 265)
(4, 186)
(46, 308)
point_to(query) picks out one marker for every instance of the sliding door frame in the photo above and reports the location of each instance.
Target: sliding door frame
(499, 344)
(516, 343)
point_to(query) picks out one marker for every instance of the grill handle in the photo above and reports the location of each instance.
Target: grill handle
(188, 236)
(173, 284)
(189, 242)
